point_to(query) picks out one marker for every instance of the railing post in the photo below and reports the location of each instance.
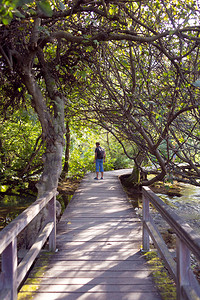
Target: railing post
(9, 268)
(145, 217)
(183, 266)
(52, 217)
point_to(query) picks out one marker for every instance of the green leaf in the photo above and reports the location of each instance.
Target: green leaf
(22, 2)
(6, 21)
(96, 42)
(61, 5)
(196, 83)
(42, 29)
(171, 32)
(17, 13)
(89, 49)
(45, 7)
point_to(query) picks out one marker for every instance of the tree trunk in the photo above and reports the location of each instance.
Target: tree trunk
(66, 163)
(52, 133)
(134, 179)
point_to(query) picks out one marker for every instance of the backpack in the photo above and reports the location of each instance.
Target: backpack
(100, 152)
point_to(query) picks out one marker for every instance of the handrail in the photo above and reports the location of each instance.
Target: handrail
(12, 274)
(187, 240)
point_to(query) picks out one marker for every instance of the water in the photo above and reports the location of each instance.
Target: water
(11, 206)
(187, 206)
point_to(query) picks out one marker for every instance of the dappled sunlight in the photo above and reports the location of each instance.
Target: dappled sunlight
(99, 239)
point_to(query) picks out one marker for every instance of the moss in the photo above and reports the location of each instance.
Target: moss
(26, 296)
(32, 283)
(163, 282)
(167, 188)
(37, 272)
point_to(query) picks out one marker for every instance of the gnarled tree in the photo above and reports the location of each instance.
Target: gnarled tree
(42, 52)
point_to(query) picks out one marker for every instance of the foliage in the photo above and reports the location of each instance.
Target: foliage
(20, 131)
(116, 155)
(10, 9)
(18, 136)
(148, 104)
(82, 148)
(124, 65)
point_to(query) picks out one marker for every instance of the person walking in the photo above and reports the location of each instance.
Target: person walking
(99, 159)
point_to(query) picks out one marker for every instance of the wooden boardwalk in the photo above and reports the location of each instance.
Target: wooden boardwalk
(98, 257)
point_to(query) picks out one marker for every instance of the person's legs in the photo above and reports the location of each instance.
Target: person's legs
(101, 168)
(97, 168)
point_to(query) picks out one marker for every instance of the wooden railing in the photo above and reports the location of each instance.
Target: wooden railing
(12, 273)
(187, 242)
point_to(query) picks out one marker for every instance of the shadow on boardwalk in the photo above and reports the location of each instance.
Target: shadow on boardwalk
(98, 257)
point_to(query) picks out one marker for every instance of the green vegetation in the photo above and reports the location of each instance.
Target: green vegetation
(164, 283)
(124, 73)
(20, 149)
(121, 72)
(82, 151)
(31, 284)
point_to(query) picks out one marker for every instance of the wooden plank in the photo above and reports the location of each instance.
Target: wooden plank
(98, 240)
(9, 268)
(70, 226)
(97, 266)
(142, 275)
(115, 215)
(162, 248)
(28, 260)
(96, 255)
(111, 239)
(100, 227)
(92, 287)
(52, 218)
(85, 219)
(101, 234)
(189, 293)
(93, 296)
(95, 281)
(6, 294)
(79, 245)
